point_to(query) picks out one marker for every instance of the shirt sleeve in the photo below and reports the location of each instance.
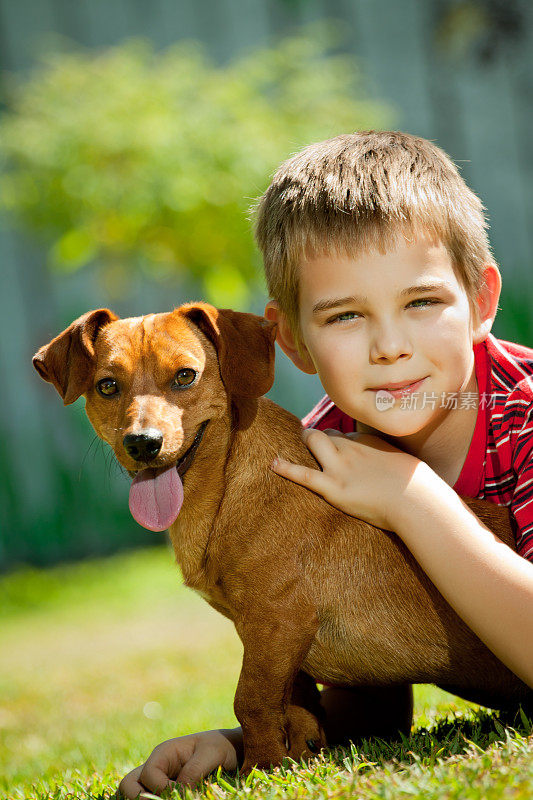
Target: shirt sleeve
(326, 415)
(522, 501)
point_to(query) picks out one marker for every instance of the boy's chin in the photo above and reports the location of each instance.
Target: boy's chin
(395, 422)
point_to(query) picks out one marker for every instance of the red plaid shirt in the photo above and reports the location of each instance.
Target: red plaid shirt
(499, 463)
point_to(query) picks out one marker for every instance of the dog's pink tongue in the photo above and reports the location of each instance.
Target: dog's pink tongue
(156, 497)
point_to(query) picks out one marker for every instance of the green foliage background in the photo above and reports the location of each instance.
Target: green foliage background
(136, 168)
(150, 160)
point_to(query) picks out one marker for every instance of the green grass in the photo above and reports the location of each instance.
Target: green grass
(102, 660)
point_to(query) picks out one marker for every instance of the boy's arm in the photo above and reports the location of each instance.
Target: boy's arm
(488, 584)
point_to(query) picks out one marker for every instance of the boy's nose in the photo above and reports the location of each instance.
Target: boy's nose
(143, 446)
(389, 346)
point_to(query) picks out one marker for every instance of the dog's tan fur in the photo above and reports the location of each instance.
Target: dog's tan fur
(312, 591)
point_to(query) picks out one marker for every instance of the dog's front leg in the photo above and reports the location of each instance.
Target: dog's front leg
(273, 653)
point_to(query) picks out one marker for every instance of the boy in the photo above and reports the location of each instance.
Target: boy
(377, 260)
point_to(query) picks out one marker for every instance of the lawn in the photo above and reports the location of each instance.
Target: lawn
(100, 661)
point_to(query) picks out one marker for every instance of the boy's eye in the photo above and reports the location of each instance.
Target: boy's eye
(347, 315)
(425, 300)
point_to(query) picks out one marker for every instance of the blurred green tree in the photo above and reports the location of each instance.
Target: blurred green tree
(141, 160)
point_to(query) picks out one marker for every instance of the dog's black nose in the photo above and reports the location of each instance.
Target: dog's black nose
(143, 446)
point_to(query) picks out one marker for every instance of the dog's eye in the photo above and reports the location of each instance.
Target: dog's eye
(107, 387)
(184, 377)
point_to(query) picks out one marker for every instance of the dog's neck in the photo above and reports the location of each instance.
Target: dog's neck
(204, 486)
(234, 457)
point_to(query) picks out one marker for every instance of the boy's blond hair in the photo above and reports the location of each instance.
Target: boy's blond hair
(359, 192)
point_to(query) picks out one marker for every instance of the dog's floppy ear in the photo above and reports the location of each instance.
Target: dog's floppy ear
(244, 343)
(68, 360)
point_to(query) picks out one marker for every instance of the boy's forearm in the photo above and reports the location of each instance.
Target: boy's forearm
(488, 585)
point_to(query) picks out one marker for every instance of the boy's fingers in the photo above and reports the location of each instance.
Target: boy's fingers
(129, 787)
(333, 432)
(324, 445)
(305, 476)
(154, 778)
(197, 767)
(206, 759)
(322, 442)
(165, 762)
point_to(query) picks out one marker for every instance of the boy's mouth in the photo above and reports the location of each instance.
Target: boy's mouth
(403, 386)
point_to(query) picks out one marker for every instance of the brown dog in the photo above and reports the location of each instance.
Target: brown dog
(314, 593)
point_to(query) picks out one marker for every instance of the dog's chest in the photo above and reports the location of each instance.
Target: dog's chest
(208, 583)
(216, 600)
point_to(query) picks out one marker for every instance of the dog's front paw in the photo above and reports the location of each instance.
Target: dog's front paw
(262, 759)
(304, 733)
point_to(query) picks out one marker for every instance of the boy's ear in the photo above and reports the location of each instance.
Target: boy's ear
(285, 339)
(487, 303)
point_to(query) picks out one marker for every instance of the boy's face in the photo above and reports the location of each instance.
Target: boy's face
(363, 331)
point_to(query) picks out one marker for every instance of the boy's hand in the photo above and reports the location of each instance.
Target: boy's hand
(362, 474)
(185, 760)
